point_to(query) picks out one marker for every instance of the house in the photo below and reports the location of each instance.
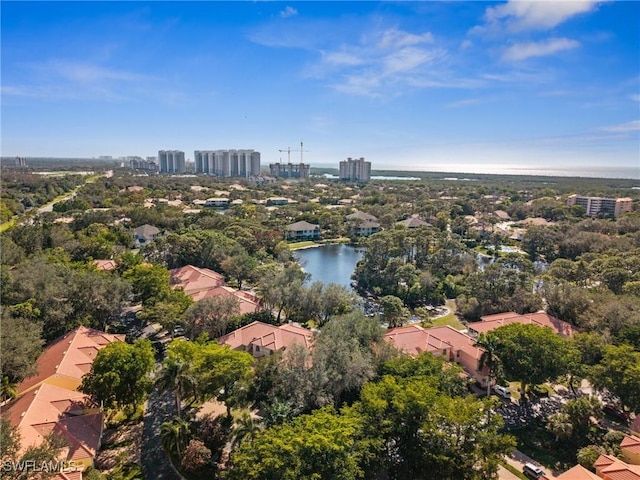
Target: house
(444, 341)
(200, 283)
(413, 222)
(576, 473)
(217, 202)
(303, 231)
(363, 224)
(261, 339)
(272, 201)
(635, 425)
(106, 265)
(49, 403)
(145, 234)
(195, 279)
(609, 467)
(630, 449)
(64, 362)
(542, 319)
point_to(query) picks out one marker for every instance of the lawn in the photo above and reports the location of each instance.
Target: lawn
(298, 245)
(451, 318)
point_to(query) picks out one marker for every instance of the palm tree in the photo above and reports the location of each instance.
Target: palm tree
(8, 389)
(560, 425)
(174, 435)
(245, 427)
(175, 376)
(489, 359)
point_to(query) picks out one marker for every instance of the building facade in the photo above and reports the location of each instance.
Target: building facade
(355, 170)
(228, 163)
(171, 161)
(613, 207)
(290, 170)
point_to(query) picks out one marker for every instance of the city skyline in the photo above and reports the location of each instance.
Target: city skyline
(439, 86)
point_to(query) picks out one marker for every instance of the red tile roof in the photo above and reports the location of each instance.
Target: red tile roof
(542, 319)
(631, 444)
(267, 336)
(578, 473)
(194, 279)
(70, 356)
(105, 264)
(65, 413)
(414, 339)
(611, 468)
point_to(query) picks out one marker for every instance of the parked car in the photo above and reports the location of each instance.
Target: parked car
(178, 331)
(532, 471)
(615, 412)
(502, 391)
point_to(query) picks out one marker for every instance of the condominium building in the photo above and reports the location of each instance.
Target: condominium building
(138, 163)
(355, 170)
(290, 170)
(228, 163)
(171, 161)
(602, 206)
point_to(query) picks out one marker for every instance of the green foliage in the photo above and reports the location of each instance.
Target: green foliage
(531, 354)
(120, 374)
(619, 372)
(21, 346)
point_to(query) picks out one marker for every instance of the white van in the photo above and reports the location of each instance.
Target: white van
(502, 391)
(531, 471)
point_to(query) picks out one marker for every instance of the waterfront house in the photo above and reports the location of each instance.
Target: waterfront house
(303, 231)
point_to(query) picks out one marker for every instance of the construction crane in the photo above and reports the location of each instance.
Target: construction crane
(288, 150)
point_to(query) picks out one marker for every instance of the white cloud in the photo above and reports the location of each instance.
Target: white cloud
(632, 126)
(393, 38)
(342, 58)
(520, 15)
(522, 51)
(86, 73)
(636, 97)
(288, 12)
(467, 102)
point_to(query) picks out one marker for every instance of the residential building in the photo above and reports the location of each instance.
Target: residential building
(362, 224)
(630, 449)
(541, 319)
(217, 202)
(290, 170)
(272, 201)
(105, 264)
(144, 234)
(171, 161)
(414, 222)
(49, 403)
(576, 473)
(138, 163)
(355, 170)
(613, 207)
(228, 163)
(445, 341)
(303, 231)
(260, 339)
(201, 283)
(609, 467)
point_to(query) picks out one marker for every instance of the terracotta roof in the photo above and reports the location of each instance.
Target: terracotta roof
(414, 339)
(194, 279)
(267, 336)
(635, 425)
(302, 225)
(248, 302)
(578, 473)
(631, 443)
(611, 468)
(70, 355)
(66, 413)
(105, 264)
(542, 319)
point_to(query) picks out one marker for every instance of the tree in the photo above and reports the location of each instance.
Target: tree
(175, 376)
(174, 436)
(150, 283)
(246, 427)
(588, 455)
(489, 359)
(560, 425)
(239, 267)
(196, 456)
(211, 315)
(21, 346)
(323, 444)
(619, 372)
(530, 354)
(120, 374)
(393, 311)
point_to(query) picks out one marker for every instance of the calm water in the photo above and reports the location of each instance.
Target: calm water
(330, 263)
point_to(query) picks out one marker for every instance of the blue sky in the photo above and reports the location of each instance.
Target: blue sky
(472, 86)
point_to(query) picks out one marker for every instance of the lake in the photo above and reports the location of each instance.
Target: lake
(330, 263)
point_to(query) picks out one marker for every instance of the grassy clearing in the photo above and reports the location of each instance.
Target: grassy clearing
(298, 245)
(450, 319)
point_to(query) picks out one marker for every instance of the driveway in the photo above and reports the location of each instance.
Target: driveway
(160, 408)
(504, 474)
(517, 459)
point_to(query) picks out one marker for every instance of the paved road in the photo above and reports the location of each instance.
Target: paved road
(504, 474)
(160, 408)
(517, 459)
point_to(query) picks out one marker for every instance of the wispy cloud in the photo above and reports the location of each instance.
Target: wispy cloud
(289, 11)
(82, 72)
(635, 97)
(522, 51)
(632, 126)
(467, 102)
(519, 15)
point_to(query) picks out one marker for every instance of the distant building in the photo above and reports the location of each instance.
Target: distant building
(602, 206)
(21, 162)
(414, 222)
(171, 161)
(228, 163)
(138, 163)
(145, 234)
(217, 202)
(303, 231)
(290, 170)
(355, 170)
(541, 319)
(362, 224)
